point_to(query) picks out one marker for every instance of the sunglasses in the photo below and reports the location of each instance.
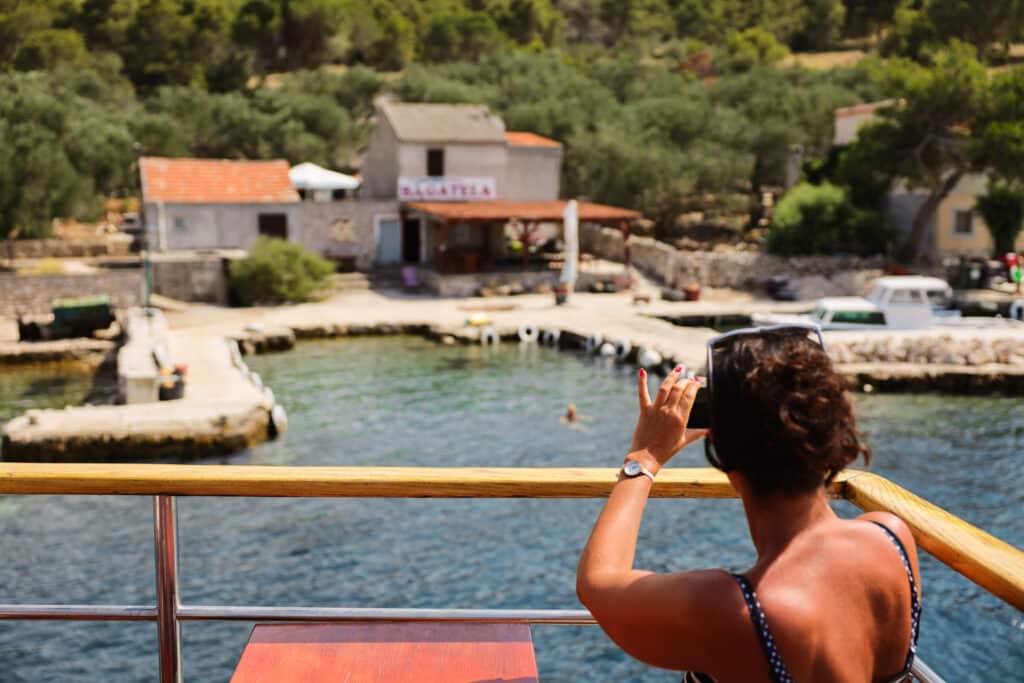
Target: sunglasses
(803, 329)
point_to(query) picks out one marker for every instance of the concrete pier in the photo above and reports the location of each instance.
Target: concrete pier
(224, 410)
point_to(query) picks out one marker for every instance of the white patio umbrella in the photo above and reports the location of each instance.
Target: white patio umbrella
(309, 176)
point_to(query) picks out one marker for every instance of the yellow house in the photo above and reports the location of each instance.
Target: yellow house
(957, 228)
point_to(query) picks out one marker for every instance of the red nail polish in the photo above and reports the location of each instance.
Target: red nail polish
(679, 368)
(643, 373)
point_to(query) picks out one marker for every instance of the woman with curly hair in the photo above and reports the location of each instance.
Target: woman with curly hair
(828, 599)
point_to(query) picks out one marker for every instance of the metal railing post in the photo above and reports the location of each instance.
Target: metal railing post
(168, 629)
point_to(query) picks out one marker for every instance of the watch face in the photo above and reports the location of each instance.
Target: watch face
(632, 468)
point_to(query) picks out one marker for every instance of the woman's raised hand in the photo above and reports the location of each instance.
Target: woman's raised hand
(661, 427)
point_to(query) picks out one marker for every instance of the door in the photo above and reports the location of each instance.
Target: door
(389, 241)
(411, 240)
(274, 225)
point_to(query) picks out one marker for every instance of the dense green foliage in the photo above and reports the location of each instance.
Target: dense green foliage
(821, 219)
(278, 272)
(667, 106)
(1002, 207)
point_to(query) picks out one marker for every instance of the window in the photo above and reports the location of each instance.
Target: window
(435, 162)
(906, 296)
(963, 222)
(274, 225)
(180, 224)
(859, 317)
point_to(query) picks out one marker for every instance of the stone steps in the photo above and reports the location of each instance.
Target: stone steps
(351, 281)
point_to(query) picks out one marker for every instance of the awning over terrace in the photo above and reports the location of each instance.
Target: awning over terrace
(465, 236)
(528, 212)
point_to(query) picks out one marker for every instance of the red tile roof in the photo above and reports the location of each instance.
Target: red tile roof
(498, 210)
(521, 139)
(215, 181)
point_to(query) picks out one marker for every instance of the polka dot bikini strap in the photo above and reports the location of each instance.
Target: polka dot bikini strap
(915, 601)
(780, 674)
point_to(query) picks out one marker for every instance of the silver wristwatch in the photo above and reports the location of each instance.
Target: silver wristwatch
(633, 468)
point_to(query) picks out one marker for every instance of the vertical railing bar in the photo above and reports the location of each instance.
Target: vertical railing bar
(168, 629)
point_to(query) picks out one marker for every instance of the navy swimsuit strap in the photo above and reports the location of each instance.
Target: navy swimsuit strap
(780, 674)
(915, 602)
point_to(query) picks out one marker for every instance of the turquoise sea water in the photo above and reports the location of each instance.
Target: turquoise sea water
(405, 401)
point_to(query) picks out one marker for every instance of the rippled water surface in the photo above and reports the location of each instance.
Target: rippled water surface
(405, 401)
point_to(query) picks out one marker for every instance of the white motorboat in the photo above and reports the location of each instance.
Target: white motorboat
(901, 302)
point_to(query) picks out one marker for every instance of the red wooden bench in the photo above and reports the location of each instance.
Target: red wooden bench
(378, 652)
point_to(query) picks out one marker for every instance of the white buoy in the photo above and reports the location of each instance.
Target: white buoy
(550, 337)
(1017, 309)
(278, 420)
(593, 343)
(622, 349)
(607, 350)
(648, 358)
(489, 337)
(528, 333)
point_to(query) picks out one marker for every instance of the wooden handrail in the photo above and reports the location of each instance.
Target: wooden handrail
(992, 564)
(346, 482)
(996, 566)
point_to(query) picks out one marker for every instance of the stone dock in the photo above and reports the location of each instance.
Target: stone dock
(225, 410)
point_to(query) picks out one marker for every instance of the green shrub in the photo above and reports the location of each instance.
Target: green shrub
(821, 219)
(1002, 207)
(278, 272)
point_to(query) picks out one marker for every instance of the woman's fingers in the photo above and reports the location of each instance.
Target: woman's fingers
(645, 394)
(666, 387)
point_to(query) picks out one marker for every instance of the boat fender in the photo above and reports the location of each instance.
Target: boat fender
(648, 358)
(528, 333)
(489, 337)
(550, 337)
(593, 343)
(1017, 309)
(236, 355)
(607, 350)
(278, 420)
(622, 349)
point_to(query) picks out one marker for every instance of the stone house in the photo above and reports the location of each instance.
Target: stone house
(211, 204)
(469, 192)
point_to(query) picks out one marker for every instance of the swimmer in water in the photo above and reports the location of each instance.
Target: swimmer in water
(573, 416)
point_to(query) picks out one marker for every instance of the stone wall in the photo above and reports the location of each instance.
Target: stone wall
(196, 278)
(810, 276)
(115, 245)
(941, 349)
(35, 293)
(345, 228)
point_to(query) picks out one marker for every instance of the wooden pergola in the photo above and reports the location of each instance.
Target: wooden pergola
(528, 214)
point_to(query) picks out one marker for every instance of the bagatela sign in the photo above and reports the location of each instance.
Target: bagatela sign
(446, 188)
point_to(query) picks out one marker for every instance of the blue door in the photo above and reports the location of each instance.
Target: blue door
(389, 241)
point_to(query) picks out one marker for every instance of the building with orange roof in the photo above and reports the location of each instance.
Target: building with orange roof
(216, 203)
(444, 188)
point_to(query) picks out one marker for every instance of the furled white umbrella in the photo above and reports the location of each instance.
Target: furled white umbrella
(571, 235)
(309, 176)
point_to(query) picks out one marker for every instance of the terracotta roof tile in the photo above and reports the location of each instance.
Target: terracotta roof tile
(524, 139)
(531, 211)
(215, 181)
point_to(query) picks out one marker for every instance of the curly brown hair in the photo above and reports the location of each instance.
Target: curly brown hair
(781, 413)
